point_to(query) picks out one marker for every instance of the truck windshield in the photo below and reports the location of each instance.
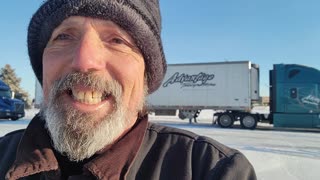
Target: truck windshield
(5, 93)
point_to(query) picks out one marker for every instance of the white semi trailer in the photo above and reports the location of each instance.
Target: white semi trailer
(231, 87)
(38, 95)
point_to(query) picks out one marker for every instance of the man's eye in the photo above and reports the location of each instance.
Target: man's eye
(118, 41)
(62, 37)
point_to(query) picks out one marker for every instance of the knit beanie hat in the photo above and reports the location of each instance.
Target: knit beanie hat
(139, 18)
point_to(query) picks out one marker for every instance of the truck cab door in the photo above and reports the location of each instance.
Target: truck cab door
(316, 121)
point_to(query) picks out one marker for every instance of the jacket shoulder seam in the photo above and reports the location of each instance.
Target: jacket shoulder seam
(196, 139)
(228, 160)
(174, 133)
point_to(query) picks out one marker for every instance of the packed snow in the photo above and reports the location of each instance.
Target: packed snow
(274, 153)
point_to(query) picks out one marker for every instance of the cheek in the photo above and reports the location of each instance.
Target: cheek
(46, 81)
(45, 89)
(52, 70)
(128, 70)
(132, 80)
(133, 74)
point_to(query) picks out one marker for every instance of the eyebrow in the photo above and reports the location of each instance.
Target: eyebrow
(68, 24)
(108, 24)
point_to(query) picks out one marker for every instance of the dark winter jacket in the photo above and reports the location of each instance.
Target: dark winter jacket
(148, 151)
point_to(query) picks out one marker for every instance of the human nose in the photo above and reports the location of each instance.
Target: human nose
(88, 56)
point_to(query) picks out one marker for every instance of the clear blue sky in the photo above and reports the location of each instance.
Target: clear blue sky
(265, 32)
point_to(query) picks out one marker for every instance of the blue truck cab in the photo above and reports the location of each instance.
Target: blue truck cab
(295, 96)
(10, 107)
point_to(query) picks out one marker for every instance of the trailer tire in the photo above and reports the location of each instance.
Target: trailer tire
(249, 121)
(181, 115)
(225, 120)
(14, 118)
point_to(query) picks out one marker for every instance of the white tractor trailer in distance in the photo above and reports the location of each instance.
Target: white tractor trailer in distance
(230, 87)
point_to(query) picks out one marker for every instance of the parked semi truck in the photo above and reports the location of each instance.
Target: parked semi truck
(232, 88)
(10, 108)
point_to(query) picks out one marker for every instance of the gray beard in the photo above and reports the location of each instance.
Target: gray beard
(80, 135)
(74, 135)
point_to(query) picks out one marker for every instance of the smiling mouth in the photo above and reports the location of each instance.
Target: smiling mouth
(89, 97)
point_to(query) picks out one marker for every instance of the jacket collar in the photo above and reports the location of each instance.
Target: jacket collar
(35, 153)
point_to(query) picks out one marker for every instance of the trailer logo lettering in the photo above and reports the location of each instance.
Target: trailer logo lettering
(187, 80)
(311, 100)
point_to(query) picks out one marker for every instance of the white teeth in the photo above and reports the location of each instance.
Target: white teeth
(87, 97)
(95, 94)
(79, 95)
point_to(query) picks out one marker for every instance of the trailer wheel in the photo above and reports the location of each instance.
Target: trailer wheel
(14, 118)
(181, 115)
(225, 120)
(248, 122)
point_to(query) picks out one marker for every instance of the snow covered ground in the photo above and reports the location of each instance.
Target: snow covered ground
(275, 154)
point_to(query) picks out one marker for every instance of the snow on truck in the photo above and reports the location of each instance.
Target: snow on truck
(233, 87)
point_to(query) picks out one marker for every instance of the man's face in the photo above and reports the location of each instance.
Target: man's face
(93, 73)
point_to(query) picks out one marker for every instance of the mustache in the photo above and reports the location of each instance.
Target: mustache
(89, 80)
